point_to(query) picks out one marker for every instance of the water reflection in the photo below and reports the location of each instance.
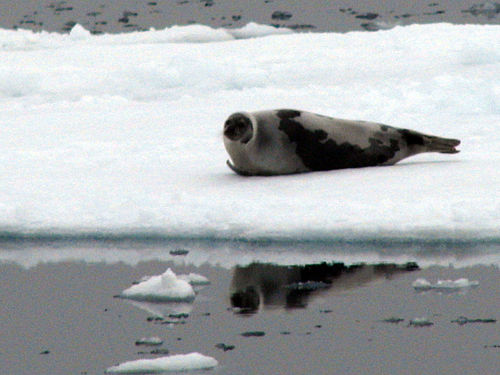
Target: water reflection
(266, 285)
(163, 310)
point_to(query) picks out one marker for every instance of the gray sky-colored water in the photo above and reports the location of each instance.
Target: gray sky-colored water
(67, 311)
(313, 15)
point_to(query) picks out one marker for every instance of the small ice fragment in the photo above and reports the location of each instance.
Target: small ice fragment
(195, 279)
(159, 351)
(464, 320)
(444, 285)
(162, 288)
(179, 362)
(253, 334)
(281, 15)
(224, 346)
(179, 316)
(393, 320)
(179, 252)
(422, 284)
(457, 284)
(149, 341)
(420, 322)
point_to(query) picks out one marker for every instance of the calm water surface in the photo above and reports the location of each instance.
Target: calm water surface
(114, 16)
(60, 316)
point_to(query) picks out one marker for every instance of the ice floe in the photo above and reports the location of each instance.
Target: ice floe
(179, 362)
(141, 115)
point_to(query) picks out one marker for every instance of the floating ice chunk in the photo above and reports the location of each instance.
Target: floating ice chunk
(253, 334)
(179, 362)
(393, 320)
(179, 252)
(224, 346)
(195, 279)
(464, 320)
(422, 284)
(149, 341)
(420, 322)
(444, 285)
(161, 288)
(159, 351)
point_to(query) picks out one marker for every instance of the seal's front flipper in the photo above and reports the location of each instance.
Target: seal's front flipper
(236, 170)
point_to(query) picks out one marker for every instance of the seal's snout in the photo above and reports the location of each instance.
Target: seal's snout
(238, 128)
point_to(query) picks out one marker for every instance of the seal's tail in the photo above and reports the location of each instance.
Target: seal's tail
(441, 145)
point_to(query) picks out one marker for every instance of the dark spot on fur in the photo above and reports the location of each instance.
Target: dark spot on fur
(411, 138)
(321, 134)
(318, 153)
(384, 128)
(288, 113)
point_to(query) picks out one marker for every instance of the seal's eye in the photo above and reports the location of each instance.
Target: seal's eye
(238, 128)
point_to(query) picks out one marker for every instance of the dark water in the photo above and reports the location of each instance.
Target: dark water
(313, 15)
(60, 316)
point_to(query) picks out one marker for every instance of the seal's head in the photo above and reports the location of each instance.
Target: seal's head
(238, 127)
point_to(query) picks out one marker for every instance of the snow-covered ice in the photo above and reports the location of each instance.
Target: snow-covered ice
(116, 134)
(166, 287)
(178, 362)
(444, 285)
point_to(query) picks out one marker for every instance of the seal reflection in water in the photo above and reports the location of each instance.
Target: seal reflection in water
(288, 141)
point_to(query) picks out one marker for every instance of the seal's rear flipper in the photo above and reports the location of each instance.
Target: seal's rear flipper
(441, 145)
